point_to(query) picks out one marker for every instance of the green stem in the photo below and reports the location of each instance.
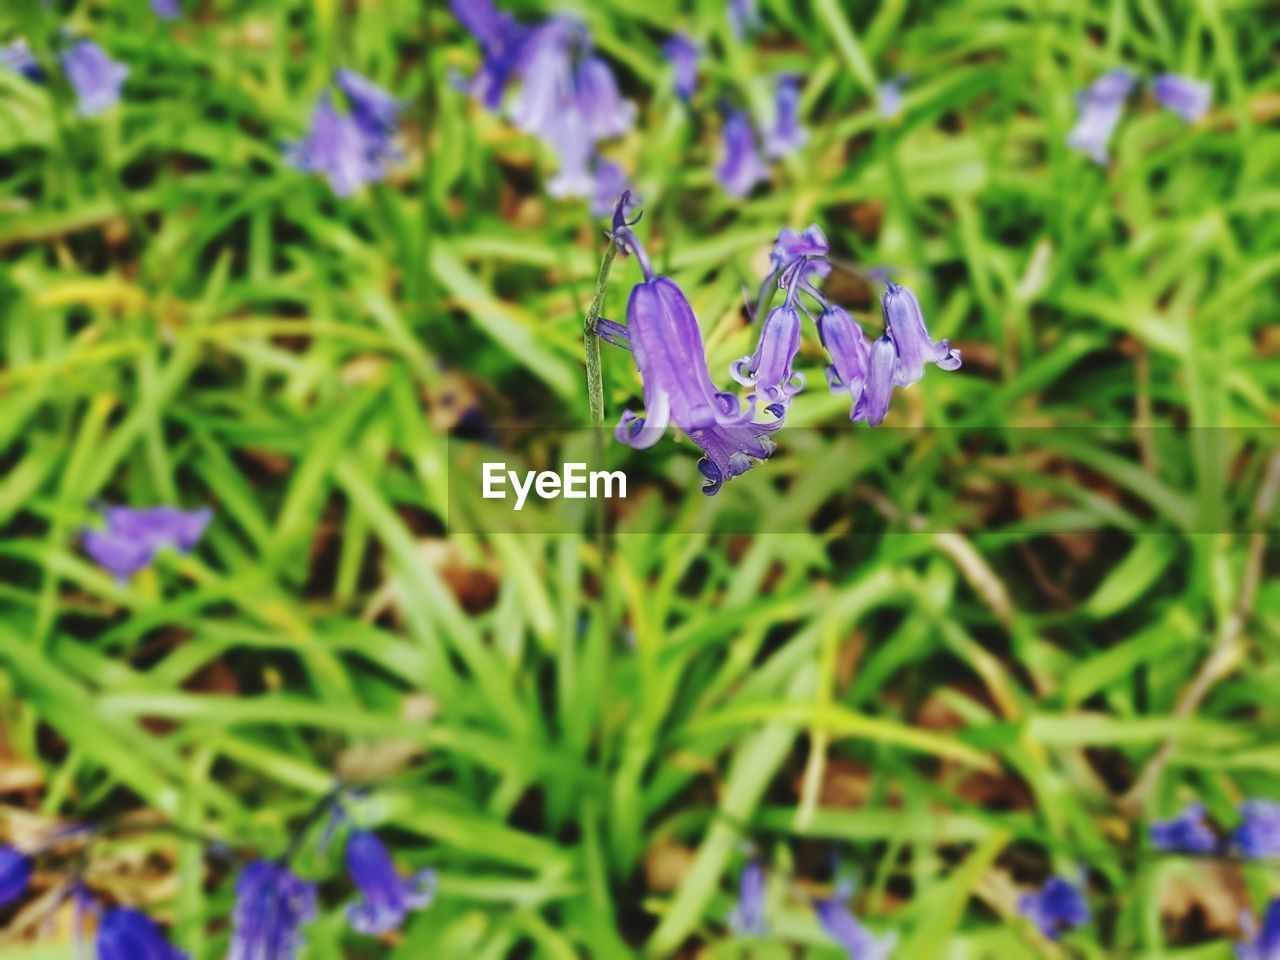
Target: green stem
(591, 342)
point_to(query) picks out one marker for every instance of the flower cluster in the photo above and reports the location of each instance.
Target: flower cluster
(568, 95)
(1256, 838)
(132, 537)
(1102, 105)
(95, 78)
(350, 148)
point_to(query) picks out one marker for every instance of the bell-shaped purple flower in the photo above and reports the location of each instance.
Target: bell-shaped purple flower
(790, 247)
(1264, 943)
(850, 354)
(337, 147)
(17, 57)
(127, 934)
(1056, 907)
(1186, 833)
(271, 906)
(94, 76)
(683, 54)
(904, 323)
(15, 874)
(744, 18)
(547, 76)
(375, 111)
(1186, 97)
(167, 9)
(501, 38)
(574, 178)
(605, 114)
(769, 369)
(786, 135)
(385, 897)
(1258, 836)
(877, 390)
(1100, 109)
(740, 167)
(748, 917)
(889, 99)
(844, 928)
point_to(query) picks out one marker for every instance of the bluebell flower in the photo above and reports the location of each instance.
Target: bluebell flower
(1263, 944)
(1100, 109)
(501, 38)
(1186, 833)
(271, 906)
(574, 177)
(94, 76)
(889, 99)
(748, 917)
(385, 897)
(744, 18)
(167, 9)
(1186, 97)
(683, 55)
(904, 324)
(768, 370)
(666, 342)
(17, 57)
(15, 874)
(1258, 836)
(605, 113)
(546, 70)
(850, 354)
(1056, 907)
(610, 185)
(877, 388)
(844, 928)
(740, 167)
(786, 135)
(790, 247)
(127, 934)
(337, 147)
(132, 537)
(376, 112)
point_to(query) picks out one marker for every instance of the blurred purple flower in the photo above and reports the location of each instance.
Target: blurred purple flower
(740, 167)
(94, 76)
(133, 537)
(683, 54)
(748, 917)
(1258, 836)
(844, 928)
(1186, 833)
(1186, 97)
(546, 72)
(850, 354)
(167, 9)
(604, 111)
(1261, 944)
(1056, 907)
(889, 99)
(744, 18)
(385, 897)
(904, 324)
(340, 149)
(501, 38)
(271, 906)
(15, 874)
(1100, 109)
(610, 185)
(769, 368)
(126, 934)
(17, 56)
(574, 178)
(786, 135)
(375, 111)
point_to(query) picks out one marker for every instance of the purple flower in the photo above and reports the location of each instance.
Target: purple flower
(744, 18)
(889, 99)
(337, 147)
(791, 247)
(133, 537)
(546, 69)
(375, 111)
(1186, 97)
(610, 185)
(850, 354)
(748, 917)
(740, 167)
(17, 56)
(15, 874)
(1100, 109)
(769, 369)
(1185, 833)
(904, 324)
(877, 389)
(385, 897)
(786, 135)
(845, 929)
(574, 178)
(1258, 836)
(271, 906)
(94, 76)
(501, 38)
(1261, 944)
(127, 934)
(167, 9)
(683, 54)
(605, 113)
(1058, 906)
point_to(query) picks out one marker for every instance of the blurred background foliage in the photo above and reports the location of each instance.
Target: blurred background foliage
(589, 738)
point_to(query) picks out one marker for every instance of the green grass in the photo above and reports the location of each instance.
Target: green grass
(584, 735)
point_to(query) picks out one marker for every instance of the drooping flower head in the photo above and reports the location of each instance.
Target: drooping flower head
(744, 18)
(1056, 907)
(748, 917)
(1258, 836)
(501, 38)
(845, 929)
(741, 166)
(385, 897)
(786, 135)
(271, 906)
(15, 874)
(683, 55)
(126, 934)
(1264, 943)
(904, 324)
(133, 537)
(1186, 833)
(94, 76)
(769, 368)
(1100, 109)
(1186, 97)
(850, 354)
(338, 148)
